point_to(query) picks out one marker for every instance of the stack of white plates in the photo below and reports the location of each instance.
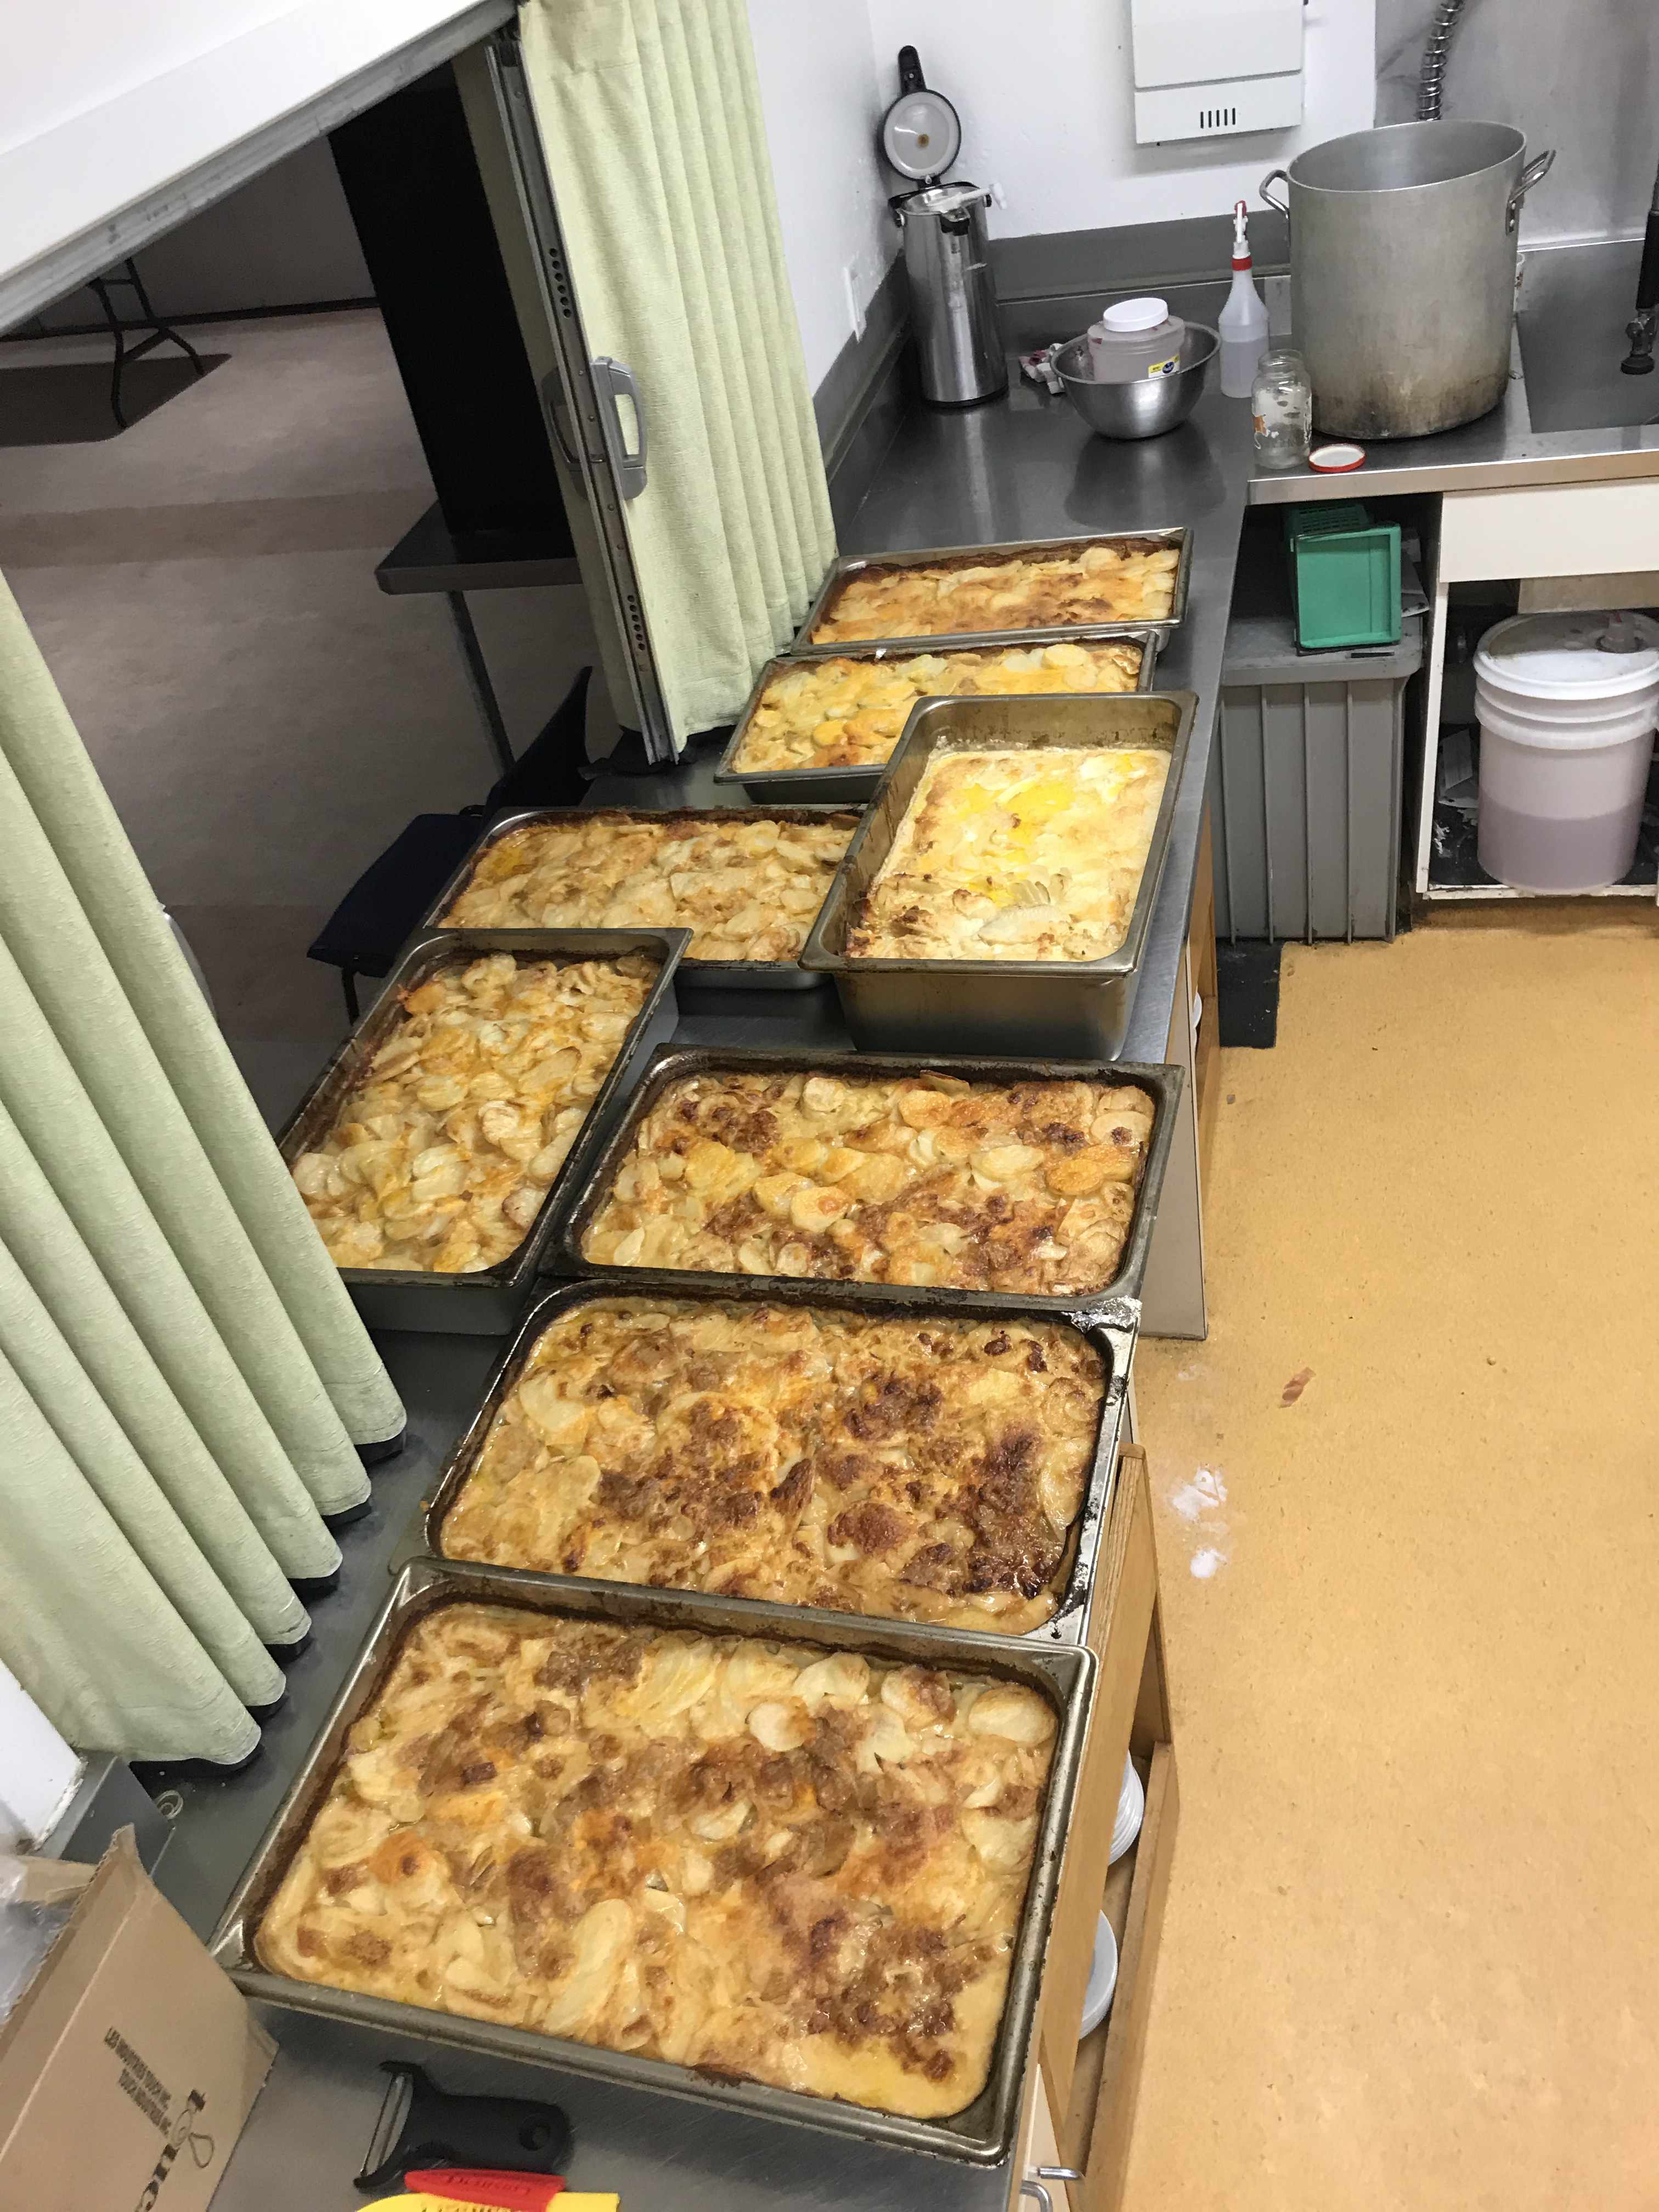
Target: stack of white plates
(1102, 1978)
(1131, 1810)
(1103, 1973)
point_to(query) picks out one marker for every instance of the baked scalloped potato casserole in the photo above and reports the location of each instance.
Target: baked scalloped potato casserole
(930, 1469)
(927, 1179)
(848, 713)
(800, 1867)
(1022, 855)
(442, 1154)
(747, 886)
(1132, 581)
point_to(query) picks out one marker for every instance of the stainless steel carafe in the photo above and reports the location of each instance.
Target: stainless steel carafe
(953, 301)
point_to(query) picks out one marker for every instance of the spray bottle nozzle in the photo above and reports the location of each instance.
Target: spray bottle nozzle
(1241, 235)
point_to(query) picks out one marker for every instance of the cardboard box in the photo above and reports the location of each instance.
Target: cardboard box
(131, 2063)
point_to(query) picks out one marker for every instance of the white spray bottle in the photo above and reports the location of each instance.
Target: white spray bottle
(1243, 323)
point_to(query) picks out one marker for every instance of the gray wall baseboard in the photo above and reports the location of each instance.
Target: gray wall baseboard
(1065, 262)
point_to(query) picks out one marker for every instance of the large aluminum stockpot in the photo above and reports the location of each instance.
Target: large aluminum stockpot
(717, 985)
(1073, 1009)
(975, 556)
(1117, 1301)
(490, 1300)
(1402, 272)
(1113, 1344)
(857, 786)
(981, 2135)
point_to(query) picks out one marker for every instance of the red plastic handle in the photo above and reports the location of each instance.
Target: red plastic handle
(510, 2193)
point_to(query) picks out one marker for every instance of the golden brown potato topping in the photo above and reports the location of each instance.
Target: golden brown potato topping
(923, 1179)
(1020, 591)
(1027, 855)
(795, 1865)
(443, 1154)
(748, 887)
(847, 713)
(930, 1469)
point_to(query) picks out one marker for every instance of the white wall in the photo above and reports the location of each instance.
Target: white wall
(1582, 76)
(822, 102)
(1045, 91)
(284, 239)
(62, 63)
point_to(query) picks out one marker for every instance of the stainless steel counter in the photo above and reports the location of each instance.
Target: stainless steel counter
(1564, 375)
(1025, 466)
(1022, 467)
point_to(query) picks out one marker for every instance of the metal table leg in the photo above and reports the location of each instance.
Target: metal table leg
(477, 680)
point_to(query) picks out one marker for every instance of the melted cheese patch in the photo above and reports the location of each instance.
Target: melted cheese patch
(746, 886)
(1103, 583)
(851, 714)
(796, 1866)
(1019, 855)
(920, 1179)
(443, 1154)
(928, 1469)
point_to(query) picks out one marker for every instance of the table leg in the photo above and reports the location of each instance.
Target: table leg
(477, 680)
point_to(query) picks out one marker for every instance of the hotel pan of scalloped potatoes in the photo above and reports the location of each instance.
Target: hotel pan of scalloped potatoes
(863, 1699)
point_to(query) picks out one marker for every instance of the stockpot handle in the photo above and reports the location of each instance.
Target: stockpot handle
(1534, 173)
(1281, 207)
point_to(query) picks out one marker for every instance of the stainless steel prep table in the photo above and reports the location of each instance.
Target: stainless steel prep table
(1021, 467)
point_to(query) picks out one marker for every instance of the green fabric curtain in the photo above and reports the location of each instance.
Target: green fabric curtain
(183, 1380)
(650, 119)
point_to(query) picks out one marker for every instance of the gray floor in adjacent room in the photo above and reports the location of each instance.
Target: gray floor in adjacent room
(266, 720)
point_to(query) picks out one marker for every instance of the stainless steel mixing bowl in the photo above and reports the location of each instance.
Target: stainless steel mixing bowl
(1150, 405)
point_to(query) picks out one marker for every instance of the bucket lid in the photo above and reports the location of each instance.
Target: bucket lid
(1590, 656)
(1136, 314)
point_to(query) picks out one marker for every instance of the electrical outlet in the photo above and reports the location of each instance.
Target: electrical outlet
(849, 277)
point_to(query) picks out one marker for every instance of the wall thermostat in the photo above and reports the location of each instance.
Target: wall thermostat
(1249, 52)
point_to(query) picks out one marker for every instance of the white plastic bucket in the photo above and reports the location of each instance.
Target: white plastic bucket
(1567, 705)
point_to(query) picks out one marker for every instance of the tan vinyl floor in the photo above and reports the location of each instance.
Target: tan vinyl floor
(1412, 1951)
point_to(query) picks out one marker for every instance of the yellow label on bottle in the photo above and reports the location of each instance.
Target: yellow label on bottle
(1165, 367)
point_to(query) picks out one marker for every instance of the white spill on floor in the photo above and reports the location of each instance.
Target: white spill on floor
(1201, 1495)
(1198, 1504)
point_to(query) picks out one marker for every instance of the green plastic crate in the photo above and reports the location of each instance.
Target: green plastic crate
(1344, 575)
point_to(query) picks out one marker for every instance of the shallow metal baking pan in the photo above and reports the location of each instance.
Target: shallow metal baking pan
(1076, 1009)
(712, 982)
(983, 2134)
(856, 786)
(485, 1303)
(1118, 1300)
(1114, 1347)
(1138, 541)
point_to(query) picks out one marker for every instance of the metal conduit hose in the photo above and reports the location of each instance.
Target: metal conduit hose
(1432, 81)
